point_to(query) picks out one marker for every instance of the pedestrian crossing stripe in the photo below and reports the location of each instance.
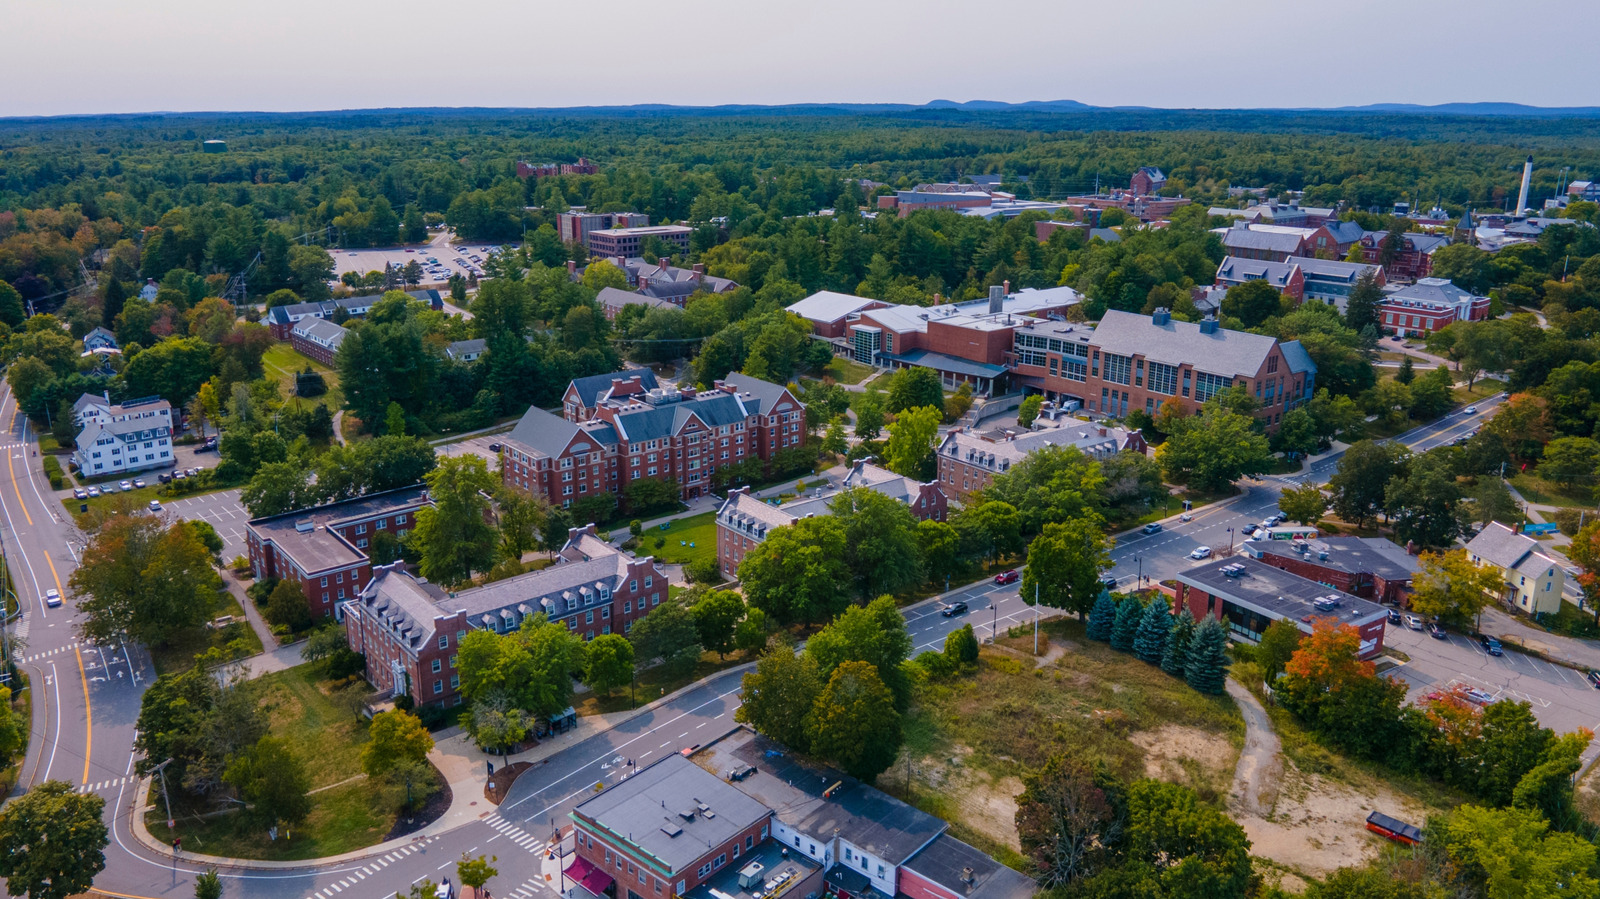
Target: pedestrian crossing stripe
(50, 652)
(105, 784)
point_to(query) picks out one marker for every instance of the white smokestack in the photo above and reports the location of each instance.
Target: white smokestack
(1527, 180)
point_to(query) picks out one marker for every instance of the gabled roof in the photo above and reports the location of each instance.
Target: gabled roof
(616, 298)
(1431, 290)
(765, 395)
(548, 434)
(1255, 239)
(1295, 355)
(1278, 274)
(592, 387)
(460, 348)
(1335, 270)
(1345, 232)
(663, 289)
(1222, 352)
(1506, 549)
(320, 330)
(828, 306)
(1414, 240)
(100, 335)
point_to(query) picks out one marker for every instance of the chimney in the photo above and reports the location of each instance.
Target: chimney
(572, 267)
(661, 264)
(1007, 285)
(1208, 325)
(997, 299)
(1161, 316)
(1527, 181)
(1102, 432)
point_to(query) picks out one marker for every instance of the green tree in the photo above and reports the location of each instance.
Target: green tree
(1150, 642)
(1305, 503)
(1431, 394)
(752, 633)
(961, 645)
(833, 441)
(1510, 853)
(208, 884)
(453, 534)
(394, 420)
(1130, 611)
(798, 574)
(1028, 412)
(1066, 822)
(601, 274)
(52, 841)
(144, 580)
(279, 487)
(273, 780)
(12, 312)
(1252, 302)
(1424, 502)
(1278, 644)
(1064, 565)
(1407, 372)
(939, 547)
(915, 387)
(1175, 655)
(668, 633)
(1103, 619)
(286, 606)
(394, 737)
(520, 516)
(1359, 485)
(1195, 849)
(607, 663)
(1570, 461)
(854, 722)
(880, 538)
(716, 619)
(992, 530)
(1206, 667)
(1361, 309)
(912, 436)
(869, 415)
(876, 634)
(475, 872)
(1297, 434)
(1511, 743)
(1492, 501)
(1213, 449)
(1052, 484)
(779, 695)
(1450, 587)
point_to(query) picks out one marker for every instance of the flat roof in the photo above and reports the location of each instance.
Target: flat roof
(779, 873)
(661, 810)
(1275, 593)
(966, 871)
(867, 817)
(1353, 555)
(304, 537)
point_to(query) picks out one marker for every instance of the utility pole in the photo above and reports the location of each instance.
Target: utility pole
(1035, 617)
(161, 771)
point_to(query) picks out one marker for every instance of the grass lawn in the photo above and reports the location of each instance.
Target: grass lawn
(1482, 389)
(699, 530)
(654, 683)
(327, 734)
(1535, 489)
(178, 655)
(283, 362)
(846, 371)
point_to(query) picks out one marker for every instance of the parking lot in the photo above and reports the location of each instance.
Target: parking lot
(224, 512)
(1562, 699)
(450, 259)
(474, 446)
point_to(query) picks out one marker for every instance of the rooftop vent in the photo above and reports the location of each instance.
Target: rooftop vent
(305, 525)
(687, 814)
(671, 829)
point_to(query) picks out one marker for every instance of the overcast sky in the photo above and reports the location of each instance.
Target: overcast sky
(90, 56)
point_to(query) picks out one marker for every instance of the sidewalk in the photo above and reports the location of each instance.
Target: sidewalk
(1556, 646)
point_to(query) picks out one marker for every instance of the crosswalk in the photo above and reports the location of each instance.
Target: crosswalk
(527, 890)
(106, 784)
(50, 652)
(354, 877)
(514, 833)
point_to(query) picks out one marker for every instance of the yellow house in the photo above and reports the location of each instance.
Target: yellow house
(1533, 580)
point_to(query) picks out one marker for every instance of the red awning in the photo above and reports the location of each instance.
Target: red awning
(592, 878)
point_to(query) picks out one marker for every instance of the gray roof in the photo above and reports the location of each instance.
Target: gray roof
(1299, 361)
(544, 433)
(1278, 274)
(320, 330)
(305, 537)
(658, 810)
(1504, 548)
(1222, 352)
(461, 348)
(765, 394)
(101, 335)
(999, 450)
(541, 591)
(828, 306)
(1345, 232)
(965, 871)
(616, 298)
(405, 603)
(590, 388)
(1109, 235)
(1415, 240)
(1246, 238)
(1277, 594)
(1355, 555)
(869, 818)
(662, 289)
(1431, 290)
(943, 363)
(1333, 270)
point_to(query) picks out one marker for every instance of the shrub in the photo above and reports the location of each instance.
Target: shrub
(52, 471)
(1567, 520)
(703, 571)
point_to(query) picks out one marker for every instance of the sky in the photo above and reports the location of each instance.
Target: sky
(108, 56)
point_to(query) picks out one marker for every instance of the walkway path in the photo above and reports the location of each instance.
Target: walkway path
(1255, 778)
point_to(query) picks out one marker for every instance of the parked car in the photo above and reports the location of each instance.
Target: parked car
(94, 491)
(953, 609)
(1594, 678)
(164, 478)
(1153, 527)
(1108, 581)
(1490, 645)
(1414, 622)
(210, 444)
(138, 482)
(1201, 552)
(1437, 632)
(52, 597)
(1248, 529)
(1481, 697)
(494, 447)
(79, 493)
(191, 472)
(108, 489)
(1394, 617)
(1272, 521)
(1007, 577)
(155, 505)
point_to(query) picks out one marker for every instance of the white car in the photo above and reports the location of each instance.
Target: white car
(1272, 521)
(126, 485)
(1472, 410)
(52, 597)
(155, 505)
(1201, 552)
(1414, 622)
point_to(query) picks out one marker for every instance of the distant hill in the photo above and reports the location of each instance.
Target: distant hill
(1471, 109)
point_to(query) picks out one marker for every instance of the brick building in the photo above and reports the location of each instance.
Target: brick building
(409, 629)
(743, 521)
(969, 460)
(550, 169)
(631, 241)
(1286, 277)
(1368, 567)
(317, 338)
(661, 279)
(1427, 306)
(577, 225)
(1147, 180)
(1131, 361)
(1247, 595)
(1331, 280)
(1413, 261)
(325, 548)
(625, 431)
(830, 313)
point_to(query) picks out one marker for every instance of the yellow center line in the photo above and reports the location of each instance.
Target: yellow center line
(11, 466)
(88, 716)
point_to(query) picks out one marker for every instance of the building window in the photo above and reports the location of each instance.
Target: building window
(444, 641)
(438, 687)
(437, 666)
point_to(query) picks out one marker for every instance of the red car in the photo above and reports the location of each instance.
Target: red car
(1007, 577)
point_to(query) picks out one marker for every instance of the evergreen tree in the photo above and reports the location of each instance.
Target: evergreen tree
(1150, 643)
(1361, 310)
(111, 304)
(1407, 372)
(1102, 618)
(1126, 628)
(1207, 666)
(961, 646)
(1175, 656)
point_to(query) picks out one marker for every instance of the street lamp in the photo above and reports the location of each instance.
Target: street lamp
(1140, 561)
(1230, 541)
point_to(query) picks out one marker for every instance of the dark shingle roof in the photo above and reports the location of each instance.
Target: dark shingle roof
(592, 386)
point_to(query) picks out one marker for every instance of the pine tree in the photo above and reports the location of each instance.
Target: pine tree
(1126, 628)
(1407, 372)
(1176, 654)
(1207, 666)
(1102, 618)
(111, 304)
(1151, 641)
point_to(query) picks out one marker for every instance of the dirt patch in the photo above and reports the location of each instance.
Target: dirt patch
(981, 801)
(1171, 751)
(1317, 825)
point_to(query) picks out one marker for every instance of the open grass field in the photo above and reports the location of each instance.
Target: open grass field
(320, 720)
(846, 371)
(1535, 489)
(281, 362)
(684, 540)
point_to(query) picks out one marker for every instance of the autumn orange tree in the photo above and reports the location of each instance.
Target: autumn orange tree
(1585, 550)
(1328, 686)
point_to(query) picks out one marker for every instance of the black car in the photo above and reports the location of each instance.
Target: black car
(953, 609)
(1437, 632)
(1490, 645)
(494, 447)
(1594, 678)
(1394, 616)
